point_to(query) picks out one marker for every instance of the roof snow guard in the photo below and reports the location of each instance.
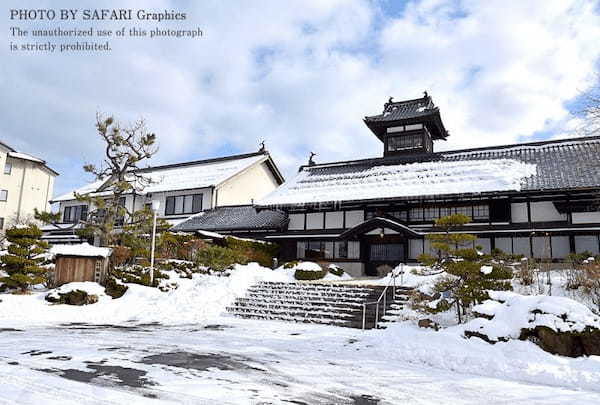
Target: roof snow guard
(419, 110)
(233, 218)
(551, 165)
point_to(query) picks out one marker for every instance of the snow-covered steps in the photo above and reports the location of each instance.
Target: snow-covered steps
(332, 304)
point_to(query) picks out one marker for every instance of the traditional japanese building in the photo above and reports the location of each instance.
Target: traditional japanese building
(183, 191)
(537, 199)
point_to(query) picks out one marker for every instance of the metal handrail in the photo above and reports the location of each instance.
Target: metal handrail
(383, 296)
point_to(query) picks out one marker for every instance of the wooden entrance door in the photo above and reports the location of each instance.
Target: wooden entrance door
(383, 254)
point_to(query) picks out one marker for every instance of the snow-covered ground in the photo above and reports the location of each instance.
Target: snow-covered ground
(180, 347)
(235, 361)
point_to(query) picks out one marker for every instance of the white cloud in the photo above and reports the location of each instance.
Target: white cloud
(303, 74)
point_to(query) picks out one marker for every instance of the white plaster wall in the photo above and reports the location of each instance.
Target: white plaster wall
(314, 220)
(560, 247)
(354, 218)
(334, 220)
(296, 222)
(518, 212)
(586, 243)
(586, 217)
(504, 244)
(545, 211)
(250, 185)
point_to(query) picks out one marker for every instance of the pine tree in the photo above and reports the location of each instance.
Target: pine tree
(470, 272)
(22, 263)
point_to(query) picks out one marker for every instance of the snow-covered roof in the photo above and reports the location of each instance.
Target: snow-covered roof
(548, 165)
(84, 249)
(359, 182)
(183, 176)
(197, 176)
(25, 156)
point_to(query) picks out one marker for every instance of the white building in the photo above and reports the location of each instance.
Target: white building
(182, 189)
(26, 183)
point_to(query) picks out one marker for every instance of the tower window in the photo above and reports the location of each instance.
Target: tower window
(397, 143)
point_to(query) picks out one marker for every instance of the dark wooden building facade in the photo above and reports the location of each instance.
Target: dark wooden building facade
(537, 199)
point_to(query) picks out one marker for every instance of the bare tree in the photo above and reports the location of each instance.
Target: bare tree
(590, 113)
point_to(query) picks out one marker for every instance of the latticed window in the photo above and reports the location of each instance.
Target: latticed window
(481, 212)
(396, 143)
(416, 214)
(431, 213)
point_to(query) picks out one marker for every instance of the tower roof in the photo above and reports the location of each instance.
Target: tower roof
(418, 110)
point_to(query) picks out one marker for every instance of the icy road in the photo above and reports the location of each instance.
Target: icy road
(253, 362)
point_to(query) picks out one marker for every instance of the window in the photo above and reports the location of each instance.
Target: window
(319, 250)
(431, 213)
(3, 195)
(7, 168)
(327, 250)
(1, 223)
(481, 212)
(75, 214)
(341, 250)
(416, 214)
(401, 215)
(183, 204)
(413, 127)
(396, 143)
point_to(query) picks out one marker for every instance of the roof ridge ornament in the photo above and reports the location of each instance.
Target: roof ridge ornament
(388, 103)
(262, 146)
(311, 162)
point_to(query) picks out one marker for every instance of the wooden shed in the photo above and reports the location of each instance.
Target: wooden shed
(81, 262)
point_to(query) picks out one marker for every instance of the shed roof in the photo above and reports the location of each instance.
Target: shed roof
(83, 249)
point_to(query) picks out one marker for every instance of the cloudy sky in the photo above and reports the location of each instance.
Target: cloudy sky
(301, 75)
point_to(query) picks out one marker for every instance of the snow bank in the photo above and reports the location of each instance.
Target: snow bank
(310, 266)
(83, 249)
(511, 312)
(88, 286)
(196, 300)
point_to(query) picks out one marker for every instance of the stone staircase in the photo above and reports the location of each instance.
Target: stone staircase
(331, 304)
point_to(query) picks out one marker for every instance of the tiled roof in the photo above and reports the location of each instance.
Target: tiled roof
(564, 164)
(401, 110)
(239, 217)
(550, 165)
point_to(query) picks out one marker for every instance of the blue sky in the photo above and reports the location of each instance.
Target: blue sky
(301, 75)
